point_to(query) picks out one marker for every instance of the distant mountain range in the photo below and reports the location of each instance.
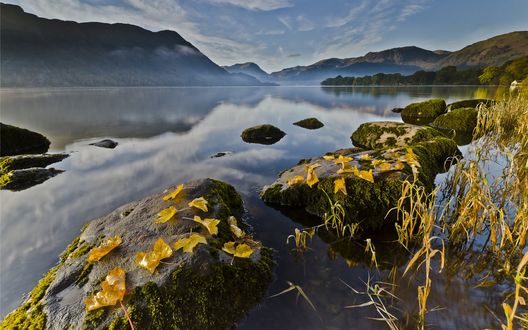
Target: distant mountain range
(404, 60)
(43, 52)
(249, 68)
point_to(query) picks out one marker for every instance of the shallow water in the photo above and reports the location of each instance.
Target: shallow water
(166, 136)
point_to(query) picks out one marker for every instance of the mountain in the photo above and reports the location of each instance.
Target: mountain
(45, 52)
(493, 51)
(248, 68)
(405, 60)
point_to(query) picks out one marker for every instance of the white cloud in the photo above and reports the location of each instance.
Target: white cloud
(264, 5)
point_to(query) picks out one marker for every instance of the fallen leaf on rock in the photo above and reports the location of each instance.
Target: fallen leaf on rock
(233, 225)
(150, 260)
(104, 248)
(383, 167)
(210, 224)
(328, 157)
(340, 186)
(166, 214)
(199, 203)
(343, 160)
(399, 166)
(173, 194)
(240, 251)
(365, 157)
(113, 290)
(295, 180)
(188, 244)
(311, 177)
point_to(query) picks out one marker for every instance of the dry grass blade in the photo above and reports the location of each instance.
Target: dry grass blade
(300, 292)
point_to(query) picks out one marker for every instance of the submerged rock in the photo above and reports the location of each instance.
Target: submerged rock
(262, 134)
(373, 180)
(309, 123)
(25, 171)
(469, 104)
(221, 154)
(206, 289)
(387, 134)
(460, 120)
(15, 141)
(106, 143)
(397, 110)
(421, 112)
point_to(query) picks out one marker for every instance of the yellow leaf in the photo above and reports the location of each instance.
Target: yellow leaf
(343, 160)
(340, 185)
(365, 157)
(210, 224)
(189, 243)
(411, 157)
(376, 162)
(150, 260)
(365, 175)
(399, 166)
(311, 167)
(108, 245)
(384, 167)
(346, 169)
(295, 180)
(328, 157)
(113, 290)
(199, 203)
(241, 250)
(173, 194)
(166, 214)
(234, 227)
(311, 177)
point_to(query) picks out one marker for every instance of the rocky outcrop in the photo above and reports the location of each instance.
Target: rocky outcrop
(372, 180)
(460, 120)
(25, 171)
(309, 123)
(423, 112)
(386, 134)
(204, 288)
(15, 141)
(262, 134)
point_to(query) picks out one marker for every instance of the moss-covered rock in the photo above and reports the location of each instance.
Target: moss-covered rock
(207, 289)
(460, 120)
(366, 202)
(25, 171)
(386, 134)
(11, 163)
(473, 103)
(429, 109)
(309, 123)
(15, 141)
(262, 134)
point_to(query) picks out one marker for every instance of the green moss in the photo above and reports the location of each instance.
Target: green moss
(5, 164)
(469, 103)
(69, 249)
(85, 272)
(429, 109)
(93, 319)
(15, 140)
(10, 163)
(462, 119)
(5, 181)
(213, 297)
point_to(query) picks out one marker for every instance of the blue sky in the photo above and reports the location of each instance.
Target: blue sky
(283, 33)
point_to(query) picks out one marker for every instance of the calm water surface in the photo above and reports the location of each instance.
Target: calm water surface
(166, 136)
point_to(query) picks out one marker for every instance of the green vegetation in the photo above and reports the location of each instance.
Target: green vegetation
(493, 75)
(426, 109)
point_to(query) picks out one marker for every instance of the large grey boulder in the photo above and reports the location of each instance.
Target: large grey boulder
(15, 141)
(387, 134)
(206, 289)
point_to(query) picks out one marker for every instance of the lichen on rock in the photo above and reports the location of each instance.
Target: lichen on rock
(426, 110)
(207, 289)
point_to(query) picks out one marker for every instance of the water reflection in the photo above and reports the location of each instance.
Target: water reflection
(167, 136)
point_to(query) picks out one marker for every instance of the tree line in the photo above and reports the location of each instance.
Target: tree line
(492, 75)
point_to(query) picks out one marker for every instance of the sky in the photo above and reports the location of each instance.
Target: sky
(283, 33)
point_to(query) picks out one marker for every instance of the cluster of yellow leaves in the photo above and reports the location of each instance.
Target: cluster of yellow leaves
(112, 291)
(311, 177)
(150, 260)
(210, 224)
(343, 161)
(189, 243)
(295, 180)
(238, 250)
(108, 245)
(199, 203)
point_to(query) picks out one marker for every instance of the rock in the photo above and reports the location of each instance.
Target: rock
(469, 104)
(397, 110)
(106, 143)
(25, 171)
(366, 203)
(460, 120)
(221, 154)
(309, 123)
(207, 289)
(15, 141)
(262, 134)
(429, 109)
(26, 178)
(386, 134)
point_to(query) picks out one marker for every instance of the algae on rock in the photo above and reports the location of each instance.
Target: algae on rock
(207, 289)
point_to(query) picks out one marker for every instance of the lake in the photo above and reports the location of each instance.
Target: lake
(167, 136)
